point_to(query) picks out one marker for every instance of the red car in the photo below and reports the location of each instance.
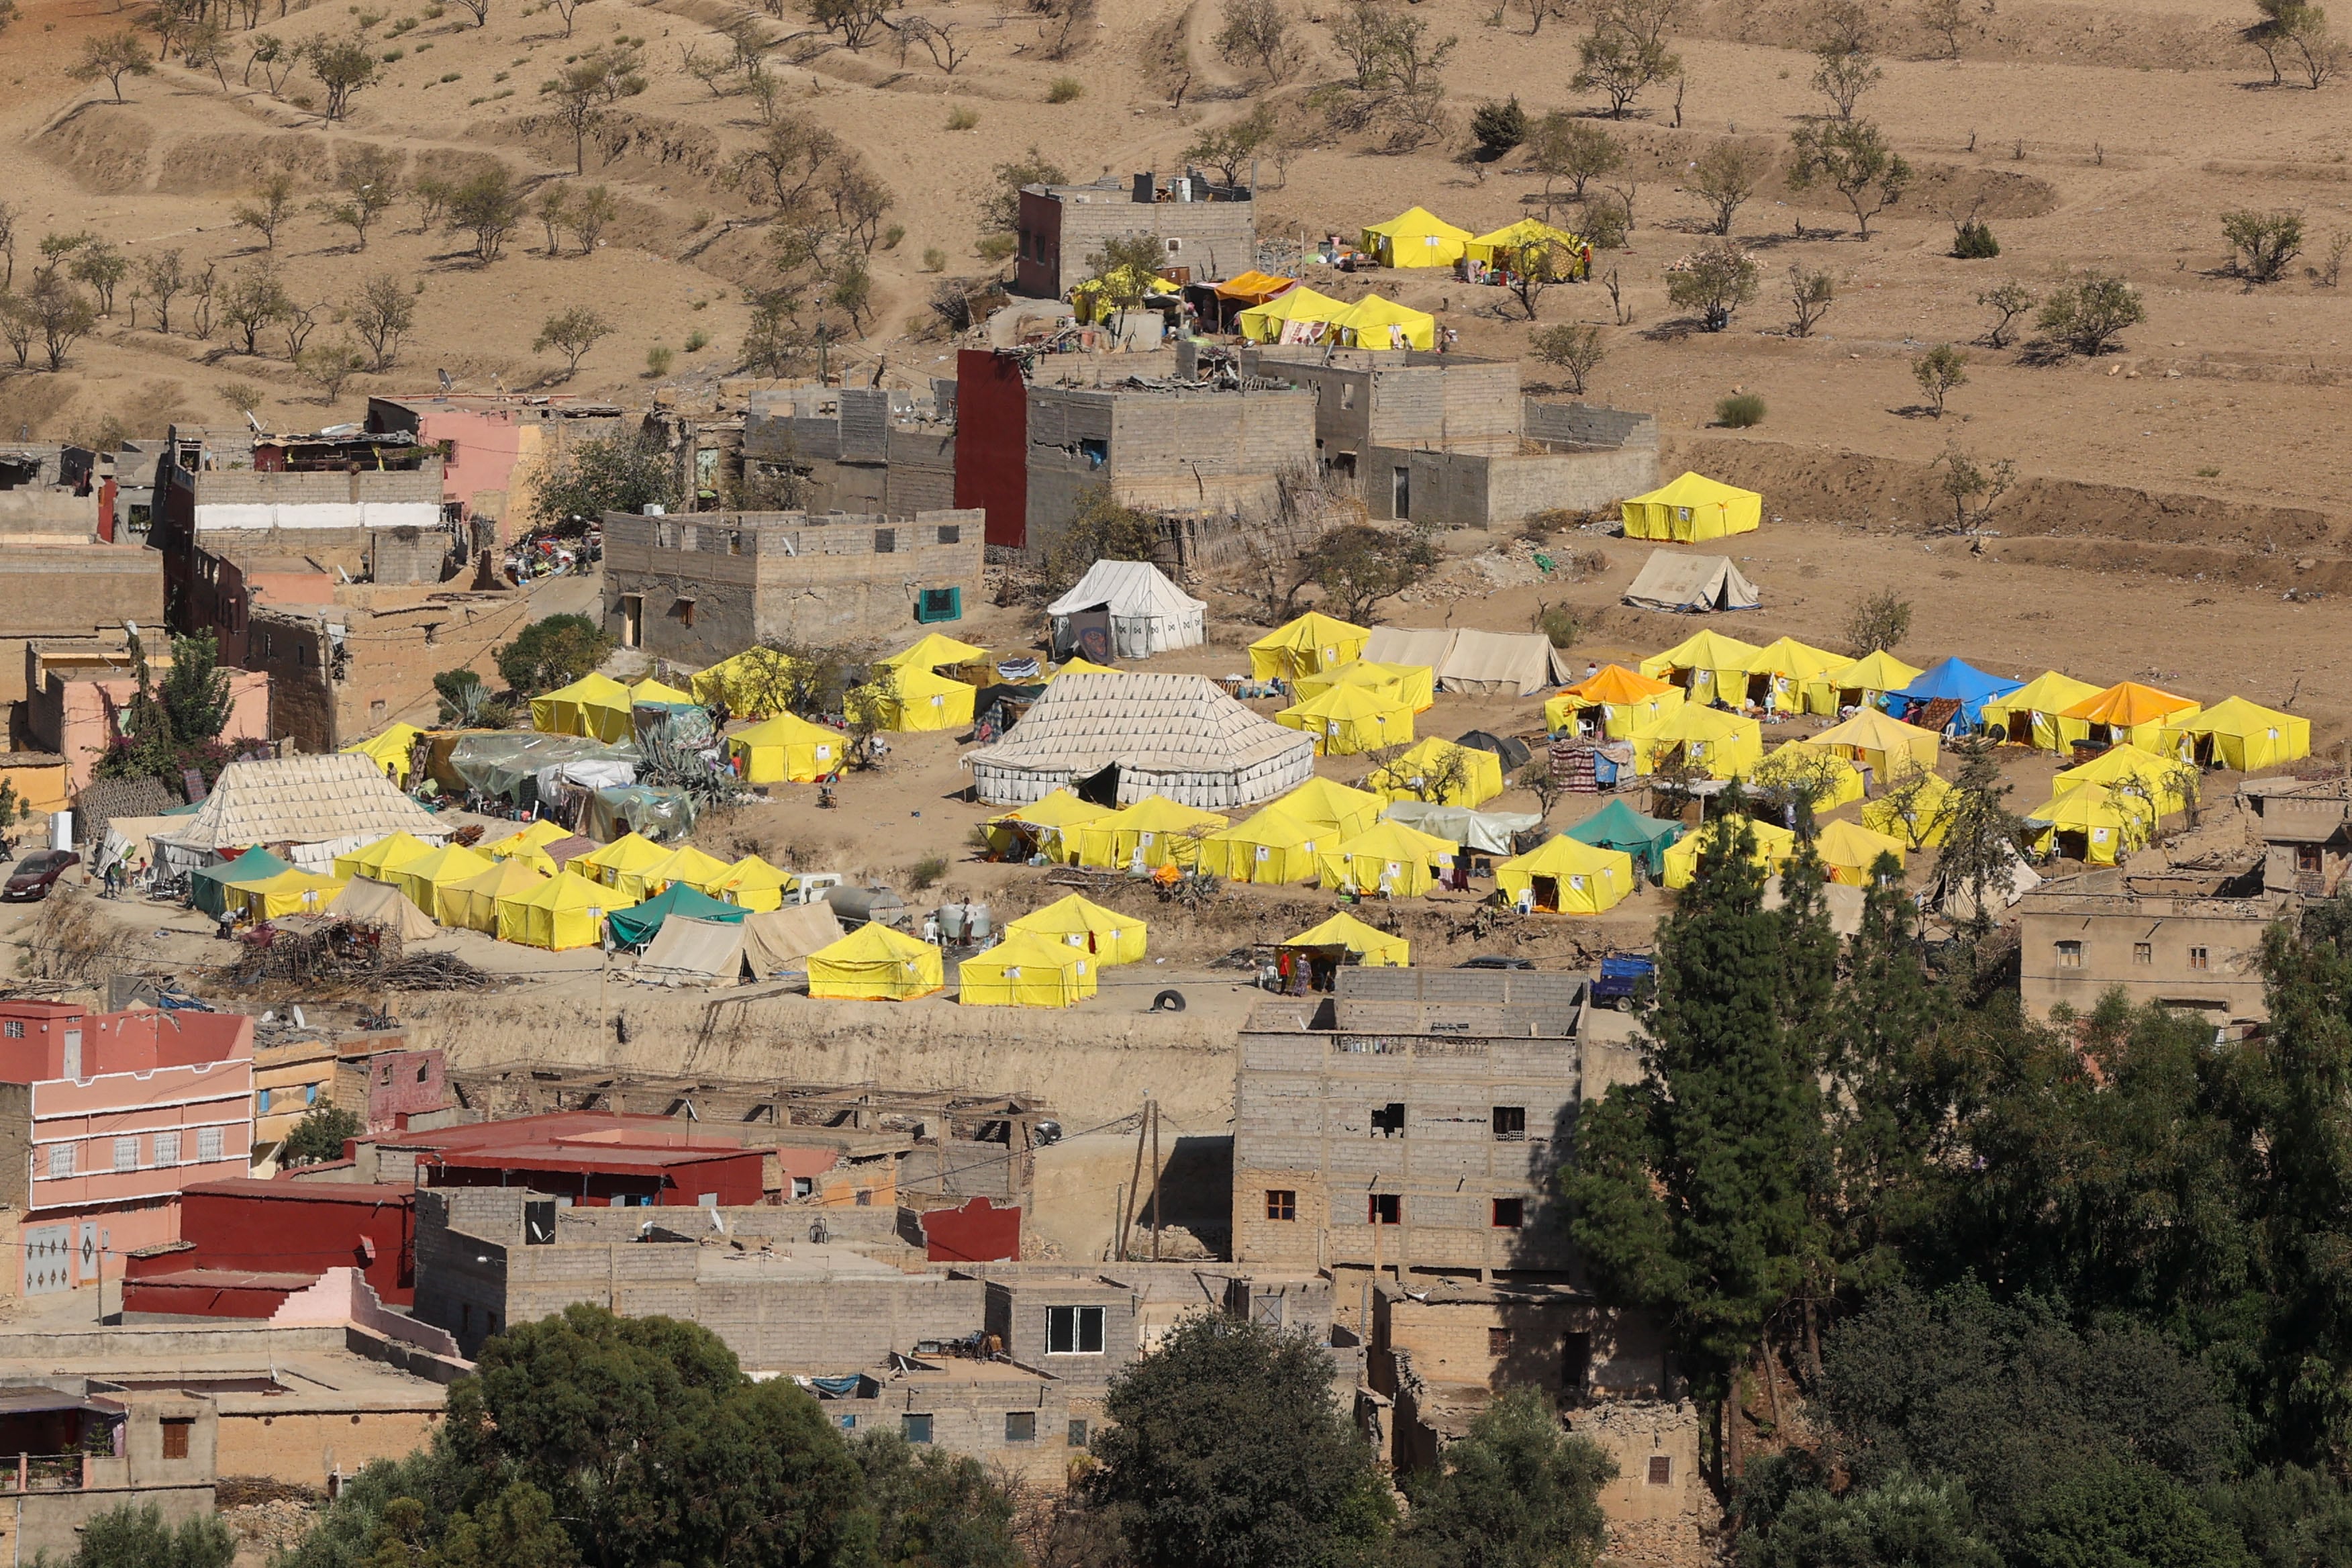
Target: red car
(37, 873)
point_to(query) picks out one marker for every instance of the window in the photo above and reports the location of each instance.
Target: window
(1079, 1434)
(1510, 1213)
(1662, 1470)
(15, 1029)
(424, 1069)
(1498, 1341)
(539, 1222)
(1021, 1425)
(61, 1159)
(1347, 395)
(2307, 859)
(175, 1436)
(208, 1142)
(126, 1154)
(309, 1094)
(1281, 1203)
(167, 1147)
(914, 1428)
(1175, 247)
(1386, 1208)
(804, 1187)
(847, 1423)
(1074, 1330)
(1388, 1120)
(885, 542)
(376, 705)
(2070, 955)
(951, 534)
(2199, 957)
(1510, 1123)
(2143, 952)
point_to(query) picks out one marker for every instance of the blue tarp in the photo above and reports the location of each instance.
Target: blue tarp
(1957, 678)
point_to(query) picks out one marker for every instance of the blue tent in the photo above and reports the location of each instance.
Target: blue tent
(1961, 680)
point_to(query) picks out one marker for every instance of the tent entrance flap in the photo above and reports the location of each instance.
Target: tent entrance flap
(1099, 788)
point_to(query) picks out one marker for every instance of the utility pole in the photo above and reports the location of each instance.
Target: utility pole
(1155, 1181)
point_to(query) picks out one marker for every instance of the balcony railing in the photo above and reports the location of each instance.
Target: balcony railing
(45, 1473)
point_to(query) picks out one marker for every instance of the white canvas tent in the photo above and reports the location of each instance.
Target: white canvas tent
(688, 952)
(321, 807)
(1174, 735)
(1692, 584)
(777, 940)
(1473, 664)
(370, 902)
(1841, 902)
(1955, 903)
(1487, 831)
(1148, 614)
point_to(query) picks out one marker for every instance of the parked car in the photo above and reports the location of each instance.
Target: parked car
(1496, 960)
(37, 873)
(1626, 984)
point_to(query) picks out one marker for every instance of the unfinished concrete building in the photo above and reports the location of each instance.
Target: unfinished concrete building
(881, 451)
(2305, 826)
(1205, 230)
(703, 587)
(67, 573)
(1449, 440)
(2187, 937)
(344, 664)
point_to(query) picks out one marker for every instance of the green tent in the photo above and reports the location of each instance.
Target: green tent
(208, 886)
(1619, 826)
(635, 926)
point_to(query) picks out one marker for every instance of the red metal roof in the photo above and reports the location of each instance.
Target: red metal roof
(284, 1191)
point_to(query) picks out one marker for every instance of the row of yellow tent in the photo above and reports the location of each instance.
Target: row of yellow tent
(1372, 322)
(1419, 237)
(598, 705)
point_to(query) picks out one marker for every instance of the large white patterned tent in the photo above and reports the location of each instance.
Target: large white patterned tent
(1148, 613)
(323, 807)
(1178, 736)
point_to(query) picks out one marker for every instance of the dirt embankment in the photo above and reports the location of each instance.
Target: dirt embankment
(2052, 35)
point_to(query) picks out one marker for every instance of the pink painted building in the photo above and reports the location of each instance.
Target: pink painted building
(76, 696)
(105, 1119)
(495, 445)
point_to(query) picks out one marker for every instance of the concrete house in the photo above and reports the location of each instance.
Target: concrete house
(2191, 939)
(67, 573)
(496, 445)
(873, 450)
(1207, 230)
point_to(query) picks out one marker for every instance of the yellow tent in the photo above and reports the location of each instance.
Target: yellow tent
(1312, 643)
(1796, 768)
(924, 701)
(1773, 848)
(684, 864)
(1374, 948)
(2090, 823)
(537, 835)
(1920, 816)
(1570, 255)
(750, 883)
(1387, 859)
(1077, 666)
(1795, 675)
(754, 684)
(2029, 716)
(564, 912)
(1691, 508)
(1564, 877)
(1479, 774)
(1111, 937)
(1612, 704)
(1721, 744)
(393, 751)
(1707, 664)
(1880, 743)
(1097, 298)
(291, 892)
(1025, 970)
(2240, 736)
(1271, 846)
(1347, 720)
(1415, 237)
(583, 708)
(424, 878)
(787, 749)
(1850, 851)
(1047, 823)
(2132, 772)
(380, 858)
(1416, 685)
(473, 903)
(1265, 323)
(2129, 711)
(1155, 827)
(1347, 812)
(629, 852)
(934, 651)
(874, 963)
(1372, 322)
(652, 691)
(1865, 682)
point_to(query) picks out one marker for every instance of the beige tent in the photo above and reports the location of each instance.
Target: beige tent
(688, 952)
(1474, 663)
(1843, 903)
(1691, 584)
(322, 806)
(1177, 736)
(775, 940)
(380, 904)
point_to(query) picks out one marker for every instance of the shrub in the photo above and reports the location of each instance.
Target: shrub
(893, 234)
(1880, 621)
(658, 359)
(926, 872)
(1573, 348)
(1499, 127)
(995, 247)
(697, 341)
(963, 117)
(1939, 372)
(1739, 411)
(2087, 313)
(1066, 89)
(1557, 622)
(2261, 243)
(934, 259)
(552, 652)
(1973, 241)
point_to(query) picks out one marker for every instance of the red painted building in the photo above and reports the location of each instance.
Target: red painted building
(597, 1161)
(992, 450)
(247, 1244)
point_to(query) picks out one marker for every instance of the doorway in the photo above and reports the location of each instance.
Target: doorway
(1401, 494)
(633, 620)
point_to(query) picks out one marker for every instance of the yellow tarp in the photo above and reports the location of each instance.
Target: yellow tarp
(1613, 703)
(393, 751)
(1415, 774)
(1097, 298)
(787, 749)
(1271, 846)
(923, 701)
(1025, 970)
(422, 879)
(874, 963)
(1415, 237)
(2129, 711)
(1254, 287)
(1077, 666)
(1797, 767)
(567, 911)
(753, 684)
(1850, 851)
(934, 651)
(1796, 677)
(583, 708)
(2032, 715)
(1880, 743)
(1155, 825)
(1707, 664)
(629, 852)
(473, 903)
(1312, 643)
(1721, 744)
(1388, 859)
(2093, 819)
(530, 846)
(1570, 253)
(1049, 820)
(1866, 681)
(293, 893)
(750, 883)
(380, 859)
(2240, 736)
(1111, 936)
(1691, 508)
(1374, 948)
(1414, 684)
(1372, 322)
(1567, 878)
(2129, 771)
(684, 864)
(1347, 720)
(1264, 323)
(1773, 848)
(652, 691)
(1347, 812)
(1919, 817)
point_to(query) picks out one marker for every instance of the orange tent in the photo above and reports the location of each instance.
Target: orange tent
(1253, 288)
(1617, 684)
(2129, 711)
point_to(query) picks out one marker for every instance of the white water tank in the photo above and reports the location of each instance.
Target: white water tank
(61, 830)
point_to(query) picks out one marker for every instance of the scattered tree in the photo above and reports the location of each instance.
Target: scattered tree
(1257, 33)
(369, 178)
(550, 209)
(1951, 22)
(1569, 147)
(1575, 348)
(270, 205)
(586, 89)
(1878, 623)
(856, 20)
(2087, 313)
(1360, 565)
(487, 206)
(571, 334)
(320, 1136)
(1842, 76)
(592, 478)
(8, 215)
(330, 365)
(298, 321)
(342, 66)
(1973, 488)
(588, 215)
(477, 9)
(1499, 127)
(1228, 148)
(1714, 281)
(1726, 176)
(2008, 301)
(2297, 33)
(63, 314)
(1810, 295)
(381, 312)
(570, 11)
(2261, 243)
(1939, 371)
(103, 267)
(1000, 210)
(1852, 158)
(162, 280)
(19, 326)
(110, 56)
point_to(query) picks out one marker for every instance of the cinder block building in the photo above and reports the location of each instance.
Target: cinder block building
(875, 451)
(2191, 939)
(704, 587)
(498, 444)
(69, 572)
(1206, 230)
